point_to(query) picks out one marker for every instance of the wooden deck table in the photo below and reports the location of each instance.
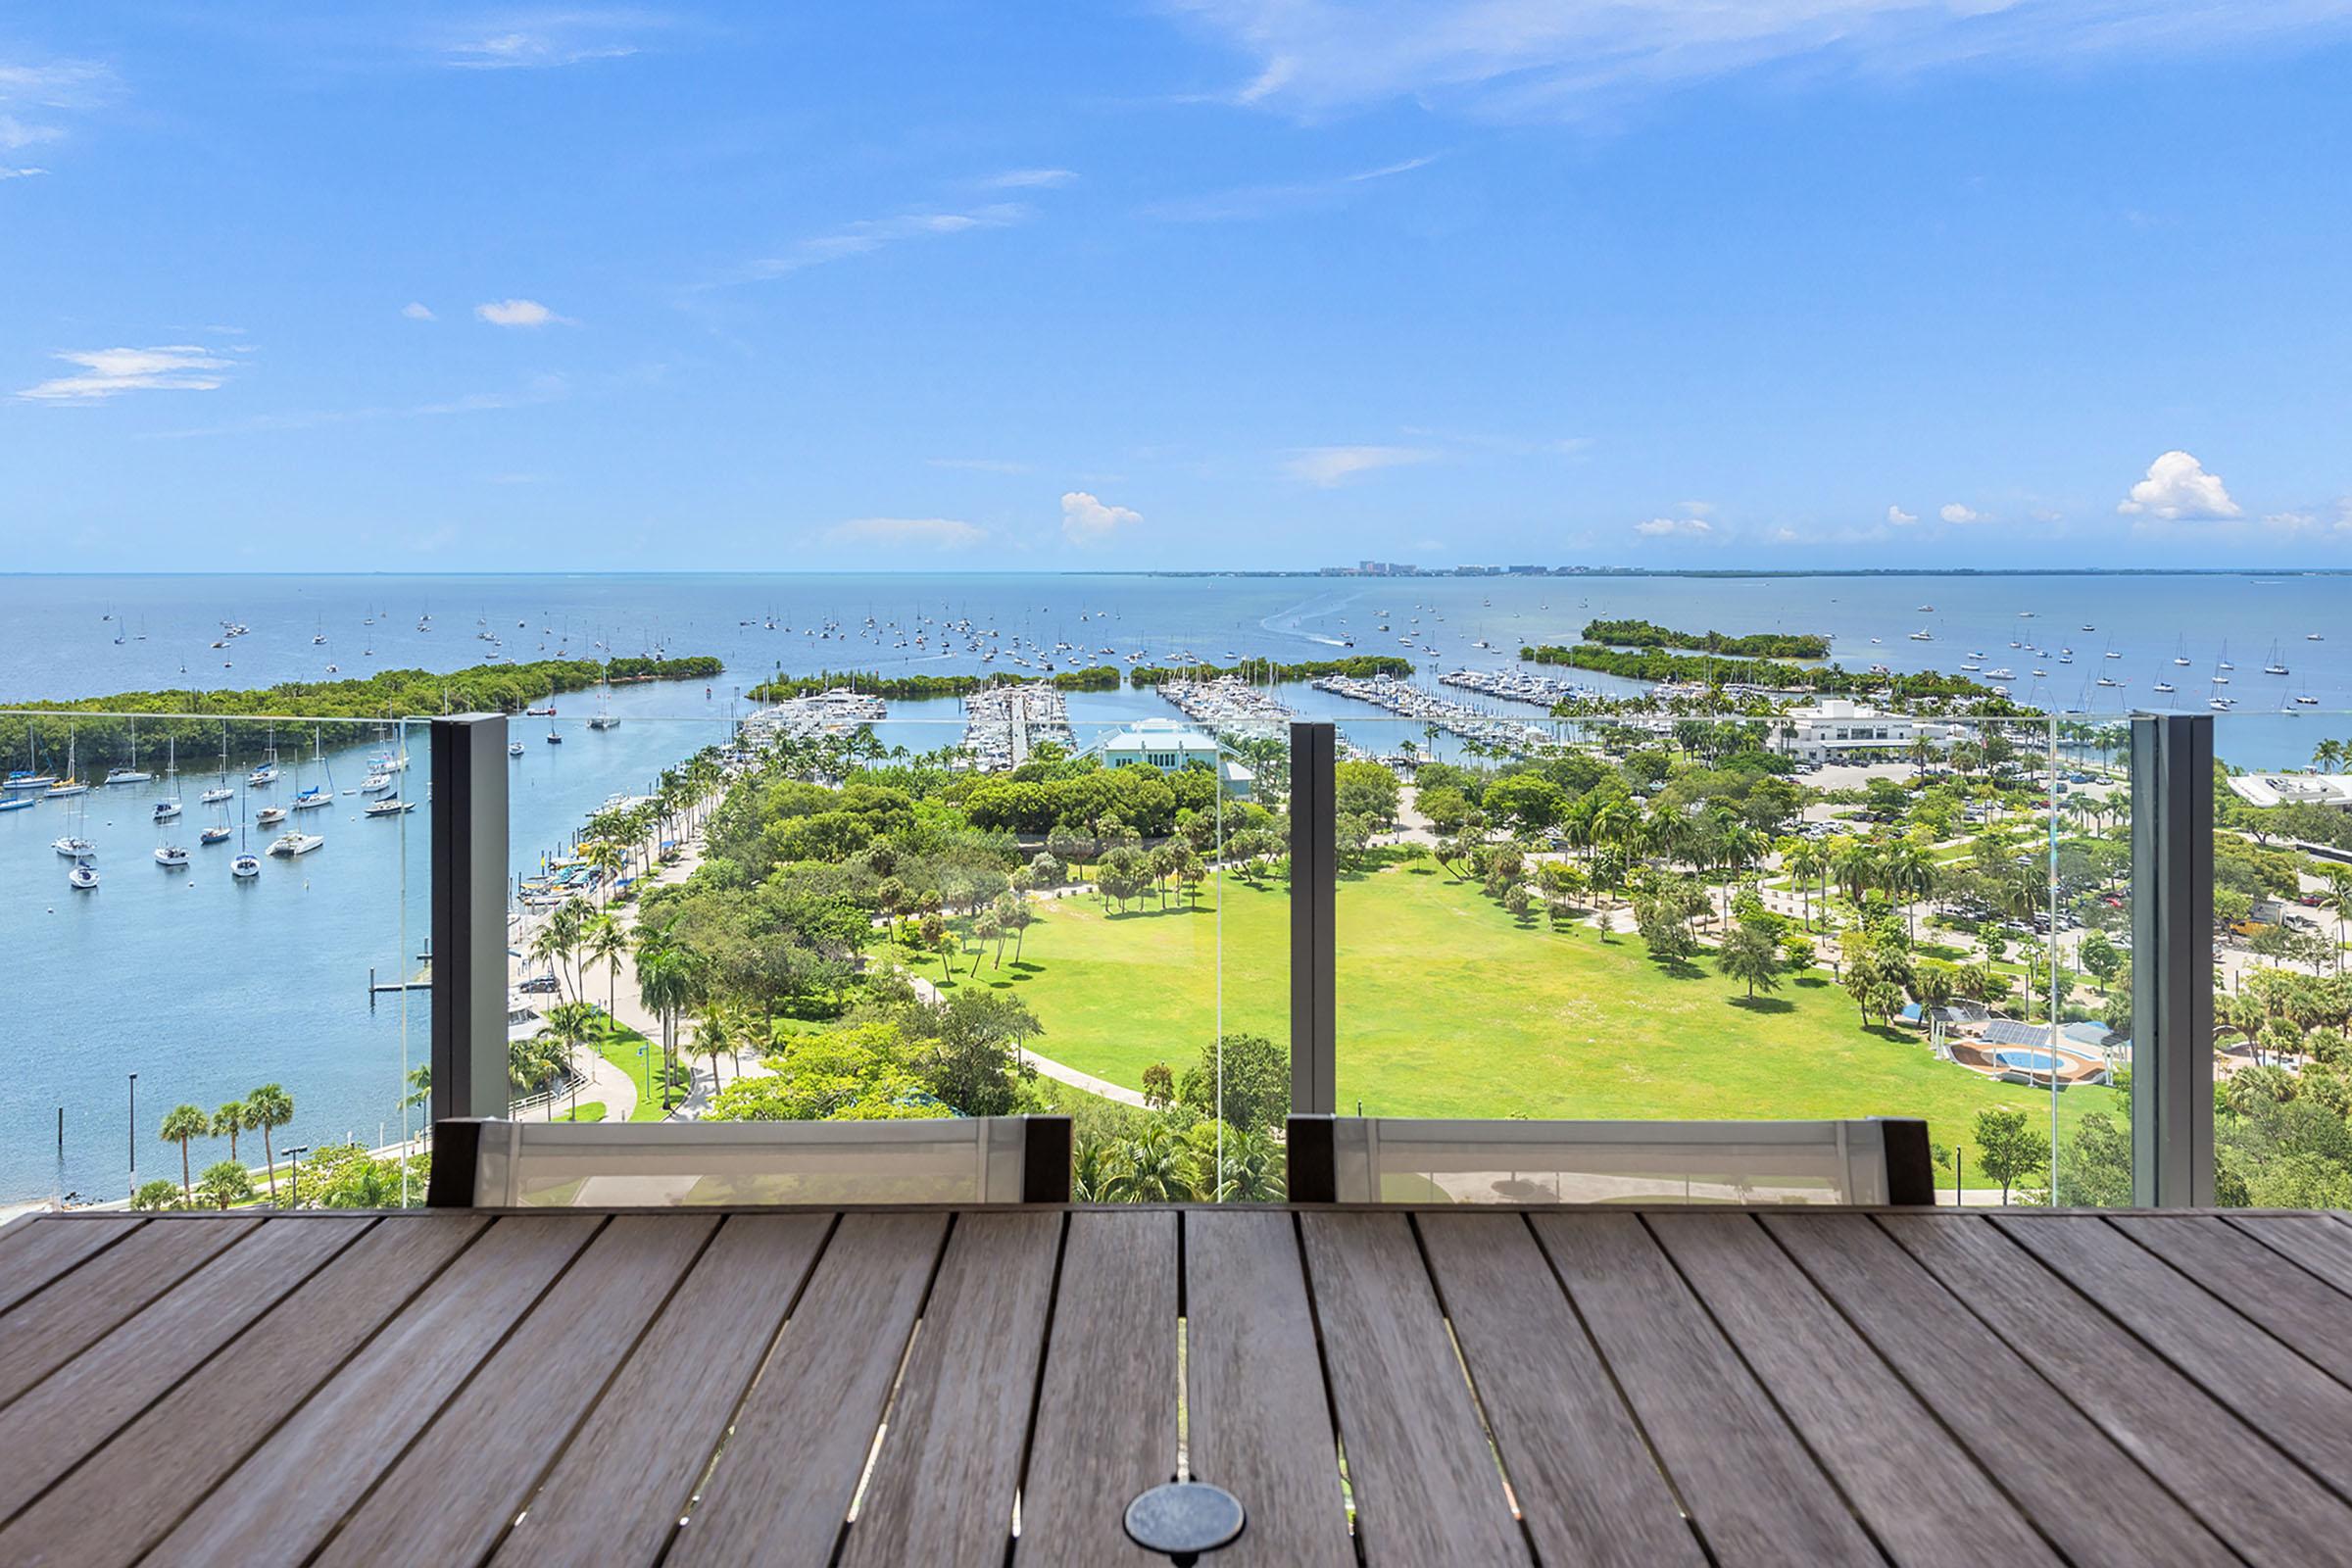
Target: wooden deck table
(1451, 1387)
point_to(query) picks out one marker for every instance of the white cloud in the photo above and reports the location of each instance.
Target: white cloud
(545, 40)
(2313, 522)
(31, 96)
(519, 313)
(1086, 521)
(1332, 466)
(1684, 527)
(1902, 518)
(1955, 512)
(106, 372)
(1530, 59)
(2177, 487)
(934, 533)
(1264, 201)
(1028, 179)
(417, 312)
(867, 235)
(20, 173)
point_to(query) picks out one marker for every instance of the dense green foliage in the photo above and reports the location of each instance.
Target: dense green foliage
(1265, 671)
(924, 688)
(1755, 645)
(387, 696)
(1828, 679)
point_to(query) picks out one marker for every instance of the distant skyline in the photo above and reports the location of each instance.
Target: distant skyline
(1197, 284)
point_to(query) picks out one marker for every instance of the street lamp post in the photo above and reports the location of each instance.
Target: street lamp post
(134, 1133)
(294, 1180)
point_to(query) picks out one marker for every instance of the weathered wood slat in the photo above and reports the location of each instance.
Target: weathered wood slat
(1106, 1409)
(279, 1505)
(122, 1498)
(62, 1418)
(1753, 1491)
(2266, 1509)
(48, 1330)
(2311, 1242)
(944, 1481)
(1587, 1487)
(38, 1249)
(618, 1491)
(2311, 1315)
(1425, 1481)
(784, 1482)
(1987, 1395)
(1870, 1433)
(1260, 1426)
(479, 1460)
(2268, 1386)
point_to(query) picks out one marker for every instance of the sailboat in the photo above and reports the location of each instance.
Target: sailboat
(2274, 666)
(266, 774)
(24, 780)
(2180, 655)
(73, 845)
(68, 786)
(84, 877)
(311, 796)
(247, 864)
(222, 791)
(133, 774)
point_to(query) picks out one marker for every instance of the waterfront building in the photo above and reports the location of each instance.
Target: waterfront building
(1837, 727)
(1167, 746)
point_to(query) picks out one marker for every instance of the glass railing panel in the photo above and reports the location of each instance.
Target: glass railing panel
(905, 902)
(2283, 1006)
(1673, 915)
(211, 922)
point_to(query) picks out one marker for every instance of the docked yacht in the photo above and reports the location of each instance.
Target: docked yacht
(172, 856)
(289, 844)
(75, 847)
(166, 811)
(389, 805)
(84, 877)
(269, 815)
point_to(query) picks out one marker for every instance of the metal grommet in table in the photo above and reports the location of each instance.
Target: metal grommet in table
(1184, 1519)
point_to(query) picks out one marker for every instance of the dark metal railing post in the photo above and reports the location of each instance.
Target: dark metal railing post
(2172, 961)
(1314, 938)
(470, 917)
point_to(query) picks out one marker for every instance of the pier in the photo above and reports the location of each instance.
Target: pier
(1439, 712)
(1003, 724)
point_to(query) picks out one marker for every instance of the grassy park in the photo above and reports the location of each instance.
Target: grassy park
(1452, 1007)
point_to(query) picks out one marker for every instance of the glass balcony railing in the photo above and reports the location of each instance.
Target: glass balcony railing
(1025, 900)
(217, 928)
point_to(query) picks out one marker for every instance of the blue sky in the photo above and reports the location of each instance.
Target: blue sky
(1249, 284)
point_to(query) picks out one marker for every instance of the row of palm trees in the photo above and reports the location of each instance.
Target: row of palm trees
(264, 1111)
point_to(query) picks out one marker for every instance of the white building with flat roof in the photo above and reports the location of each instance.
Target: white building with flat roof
(2293, 789)
(1165, 744)
(1837, 727)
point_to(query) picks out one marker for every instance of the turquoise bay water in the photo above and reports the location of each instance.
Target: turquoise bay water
(206, 986)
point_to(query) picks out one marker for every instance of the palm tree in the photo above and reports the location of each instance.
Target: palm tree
(2327, 754)
(227, 1182)
(605, 941)
(716, 1034)
(665, 984)
(269, 1107)
(1150, 1169)
(1803, 861)
(229, 1121)
(182, 1123)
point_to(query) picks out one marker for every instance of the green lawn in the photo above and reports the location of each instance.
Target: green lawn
(1449, 1007)
(619, 1044)
(594, 1110)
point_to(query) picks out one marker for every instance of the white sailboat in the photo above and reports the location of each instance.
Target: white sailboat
(221, 792)
(247, 864)
(134, 774)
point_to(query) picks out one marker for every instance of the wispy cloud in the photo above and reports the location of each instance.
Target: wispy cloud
(932, 533)
(110, 372)
(539, 389)
(415, 312)
(1086, 520)
(1675, 528)
(540, 40)
(869, 235)
(20, 173)
(517, 313)
(1328, 466)
(979, 464)
(1955, 512)
(37, 97)
(1524, 58)
(1269, 200)
(1028, 179)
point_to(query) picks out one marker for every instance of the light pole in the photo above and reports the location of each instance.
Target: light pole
(134, 1133)
(294, 1181)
